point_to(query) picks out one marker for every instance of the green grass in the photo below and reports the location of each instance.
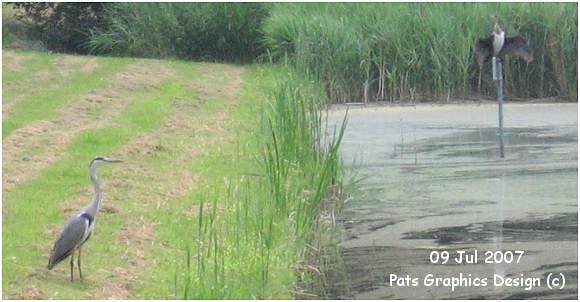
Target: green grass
(36, 204)
(32, 65)
(45, 103)
(218, 161)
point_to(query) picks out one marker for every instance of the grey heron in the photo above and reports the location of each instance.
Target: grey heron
(78, 229)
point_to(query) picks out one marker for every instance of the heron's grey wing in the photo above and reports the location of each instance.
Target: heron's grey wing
(483, 50)
(517, 46)
(71, 235)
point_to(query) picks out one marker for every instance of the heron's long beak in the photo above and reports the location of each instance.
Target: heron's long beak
(115, 161)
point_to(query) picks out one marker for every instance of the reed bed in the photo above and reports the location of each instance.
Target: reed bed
(420, 51)
(202, 31)
(254, 239)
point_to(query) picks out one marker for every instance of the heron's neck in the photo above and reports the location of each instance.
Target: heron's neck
(93, 207)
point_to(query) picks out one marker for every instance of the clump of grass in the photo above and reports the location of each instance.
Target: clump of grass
(254, 230)
(208, 31)
(12, 29)
(363, 52)
(17, 33)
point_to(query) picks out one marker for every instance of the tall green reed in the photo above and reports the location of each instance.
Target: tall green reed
(207, 31)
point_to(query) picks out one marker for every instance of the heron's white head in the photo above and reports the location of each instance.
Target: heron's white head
(99, 160)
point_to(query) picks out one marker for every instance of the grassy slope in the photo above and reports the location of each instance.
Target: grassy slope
(192, 139)
(33, 207)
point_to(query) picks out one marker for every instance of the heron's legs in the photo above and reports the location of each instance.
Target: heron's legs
(79, 264)
(72, 256)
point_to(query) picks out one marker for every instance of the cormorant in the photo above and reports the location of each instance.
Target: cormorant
(497, 45)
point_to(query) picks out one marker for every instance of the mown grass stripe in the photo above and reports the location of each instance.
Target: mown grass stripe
(38, 73)
(33, 63)
(43, 105)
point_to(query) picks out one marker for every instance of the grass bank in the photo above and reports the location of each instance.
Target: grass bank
(218, 197)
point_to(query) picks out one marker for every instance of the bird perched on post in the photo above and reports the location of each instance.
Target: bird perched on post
(498, 45)
(78, 229)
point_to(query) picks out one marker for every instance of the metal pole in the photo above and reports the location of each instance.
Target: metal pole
(498, 78)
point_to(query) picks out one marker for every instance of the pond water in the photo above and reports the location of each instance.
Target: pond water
(431, 180)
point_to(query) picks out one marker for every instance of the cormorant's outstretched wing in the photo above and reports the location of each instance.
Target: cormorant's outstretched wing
(517, 46)
(483, 50)
(71, 236)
